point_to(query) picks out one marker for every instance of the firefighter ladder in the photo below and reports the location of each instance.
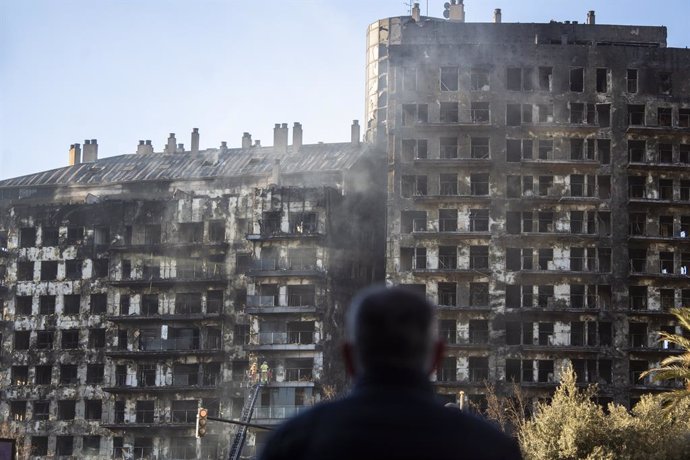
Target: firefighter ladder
(246, 416)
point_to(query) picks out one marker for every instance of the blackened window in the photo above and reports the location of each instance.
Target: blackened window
(449, 78)
(94, 373)
(100, 268)
(44, 339)
(99, 303)
(27, 237)
(70, 339)
(41, 410)
(23, 305)
(68, 374)
(71, 304)
(66, 410)
(44, 375)
(48, 270)
(73, 269)
(96, 338)
(50, 236)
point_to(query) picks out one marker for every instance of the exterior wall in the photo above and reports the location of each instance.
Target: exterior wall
(576, 277)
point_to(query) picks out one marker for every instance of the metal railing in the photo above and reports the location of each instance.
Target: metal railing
(447, 299)
(638, 341)
(299, 374)
(479, 262)
(448, 225)
(447, 374)
(447, 262)
(145, 415)
(187, 308)
(303, 228)
(448, 152)
(299, 300)
(270, 226)
(285, 338)
(158, 344)
(183, 416)
(261, 301)
(419, 225)
(210, 270)
(478, 374)
(278, 412)
(636, 191)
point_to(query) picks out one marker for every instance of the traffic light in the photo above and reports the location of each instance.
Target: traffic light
(201, 421)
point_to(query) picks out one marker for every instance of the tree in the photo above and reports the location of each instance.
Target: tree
(675, 367)
(572, 426)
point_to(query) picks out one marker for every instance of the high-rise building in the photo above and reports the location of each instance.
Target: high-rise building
(538, 192)
(139, 288)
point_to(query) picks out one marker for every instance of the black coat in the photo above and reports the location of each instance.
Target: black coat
(392, 415)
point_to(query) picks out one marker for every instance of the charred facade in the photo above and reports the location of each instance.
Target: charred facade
(139, 288)
(538, 192)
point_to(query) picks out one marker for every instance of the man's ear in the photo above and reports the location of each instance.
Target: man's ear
(349, 357)
(437, 357)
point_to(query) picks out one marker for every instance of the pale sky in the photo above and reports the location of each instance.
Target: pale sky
(120, 71)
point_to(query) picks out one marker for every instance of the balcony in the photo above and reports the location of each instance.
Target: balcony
(167, 347)
(182, 315)
(292, 266)
(476, 339)
(151, 420)
(272, 229)
(276, 413)
(209, 272)
(127, 383)
(475, 376)
(296, 303)
(291, 340)
(647, 383)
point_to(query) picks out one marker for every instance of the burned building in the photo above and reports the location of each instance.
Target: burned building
(141, 287)
(538, 192)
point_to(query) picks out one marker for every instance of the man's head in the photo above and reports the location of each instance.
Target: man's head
(391, 327)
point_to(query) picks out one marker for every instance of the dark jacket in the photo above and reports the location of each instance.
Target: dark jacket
(392, 415)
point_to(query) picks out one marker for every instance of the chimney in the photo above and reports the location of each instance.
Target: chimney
(246, 140)
(591, 20)
(257, 143)
(354, 132)
(90, 151)
(74, 154)
(144, 147)
(457, 11)
(296, 137)
(497, 16)
(180, 148)
(280, 137)
(416, 12)
(223, 147)
(195, 140)
(171, 145)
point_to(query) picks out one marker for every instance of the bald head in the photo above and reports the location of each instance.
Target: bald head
(391, 327)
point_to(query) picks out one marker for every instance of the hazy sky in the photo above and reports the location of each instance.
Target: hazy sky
(120, 71)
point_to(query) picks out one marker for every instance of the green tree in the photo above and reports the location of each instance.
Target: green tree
(675, 367)
(572, 426)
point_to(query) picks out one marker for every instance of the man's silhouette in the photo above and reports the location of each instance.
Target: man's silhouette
(391, 348)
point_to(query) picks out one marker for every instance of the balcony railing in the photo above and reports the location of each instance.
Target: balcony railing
(299, 374)
(292, 263)
(183, 416)
(419, 225)
(478, 374)
(158, 344)
(261, 301)
(278, 412)
(299, 300)
(285, 338)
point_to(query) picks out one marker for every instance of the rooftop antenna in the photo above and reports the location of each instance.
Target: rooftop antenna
(409, 6)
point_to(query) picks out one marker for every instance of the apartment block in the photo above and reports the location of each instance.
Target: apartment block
(538, 193)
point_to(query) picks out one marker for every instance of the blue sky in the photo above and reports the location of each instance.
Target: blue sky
(120, 71)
